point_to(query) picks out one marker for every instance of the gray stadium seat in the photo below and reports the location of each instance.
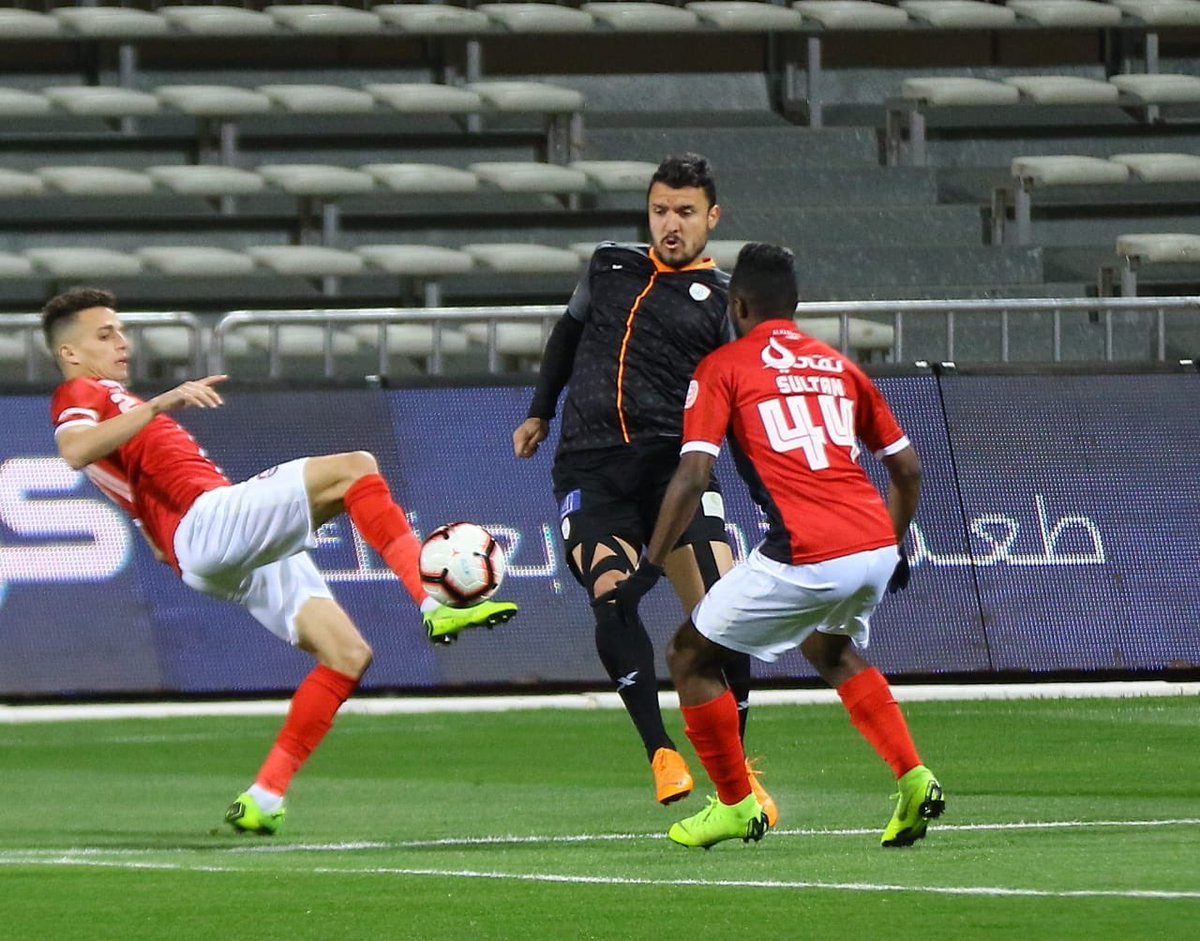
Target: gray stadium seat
(1158, 248)
(83, 262)
(306, 261)
(523, 258)
(1159, 89)
(25, 24)
(1162, 12)
(324, 19)
(852, 14)
(97, 101)
(111, 22)
(425, 98)
(1161, 168)
(15, 266)
(319, 99)
(422, 265)
(527, 177)
(1064, 90)
(196, 261)
(208, 181)
(959, 14)
(1033, 172)
(15, 183)
(96, 181)
(865, 337)
(432, 19)
(537, 17)
(746, 15)
(617, 175)
(214, 101)
(1073, 13)
(213, 20)
(15, 103)
(724, 252)
(907, 114)
(422, 178)
(642, 17)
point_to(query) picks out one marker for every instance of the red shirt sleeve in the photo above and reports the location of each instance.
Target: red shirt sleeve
(876, 427)
(79, 403)
(708, 407)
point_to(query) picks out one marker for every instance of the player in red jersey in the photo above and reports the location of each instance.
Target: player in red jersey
(795, 410)
(241, 542)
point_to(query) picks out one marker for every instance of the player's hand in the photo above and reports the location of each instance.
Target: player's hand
(195, 393)
(629, 592)
(529, 434)
(901, 574)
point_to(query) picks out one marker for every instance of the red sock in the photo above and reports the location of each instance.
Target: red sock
(385, 528)
(713, 729)
(314, 705)
(868, 699)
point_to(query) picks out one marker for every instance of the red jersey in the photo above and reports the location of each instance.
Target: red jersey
(795, 409)
(156, 475)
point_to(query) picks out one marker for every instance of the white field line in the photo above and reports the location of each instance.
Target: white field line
(273, 848)
(586, 701)
(568, 879)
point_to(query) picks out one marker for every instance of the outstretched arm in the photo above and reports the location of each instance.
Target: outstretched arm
(81, 446)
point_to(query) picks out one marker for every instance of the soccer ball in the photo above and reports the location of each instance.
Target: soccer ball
(461, 564)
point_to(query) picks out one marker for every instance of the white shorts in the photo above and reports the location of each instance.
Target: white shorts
(246, 543)
(765, 608)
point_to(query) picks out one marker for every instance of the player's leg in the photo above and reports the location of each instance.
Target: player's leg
(351, 482)
(873, 709)
(698, 668)
(291, 599)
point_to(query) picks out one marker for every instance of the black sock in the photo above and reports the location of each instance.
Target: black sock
(737, 675)
(627, 655)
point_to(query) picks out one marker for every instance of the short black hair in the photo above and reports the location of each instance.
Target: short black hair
(61, 309)
(683, 170)
(765, 281)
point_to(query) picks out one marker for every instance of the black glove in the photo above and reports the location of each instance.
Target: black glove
(629, 593)
(901, 574)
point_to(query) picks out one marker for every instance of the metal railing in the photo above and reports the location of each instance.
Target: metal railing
(37, 358)
(1008, 318)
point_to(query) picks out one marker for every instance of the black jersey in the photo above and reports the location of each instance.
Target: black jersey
(642, 329)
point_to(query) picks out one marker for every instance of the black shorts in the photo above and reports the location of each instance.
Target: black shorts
(617, 492)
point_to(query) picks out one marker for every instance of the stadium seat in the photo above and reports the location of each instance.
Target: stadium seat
(518, 345)
(207, 181)
(642, 17)
(746, 16)
(195, 261)
(1158, 248)
(852, 14)
(432, 19)
(317, 188)
(1159, 89)
(214, 101)
(528, 177)
(864, 337)
(426, 98)
(536, 17)
(422, 265)
(1064, 90)
(15, 103)
(83, 262)
(324, 19)
(96, 181)
(321, 265)
(724, 252)
(906, 115)
(959, 14)
(15, 183)
(1072, 13)
(617, 175)
(1161, 168)
(15, 266)
(1032, 172)
(95, 22)
(412, 341)
(97, 101)
(25, 24)
(422, 178)
(1162, 12)
(319, 99)
(213, 20)
(523, 258)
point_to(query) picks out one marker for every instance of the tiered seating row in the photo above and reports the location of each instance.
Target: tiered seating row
(191, 21)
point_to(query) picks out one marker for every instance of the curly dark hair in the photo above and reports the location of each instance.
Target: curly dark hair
(679, 171)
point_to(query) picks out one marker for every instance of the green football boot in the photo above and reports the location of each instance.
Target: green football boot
(245, 816)
(743, 821)
(444, 623)
(919, 801)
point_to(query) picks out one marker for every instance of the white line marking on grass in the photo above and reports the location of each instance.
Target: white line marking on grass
(368, 705)
(93, 852)
(569, 879)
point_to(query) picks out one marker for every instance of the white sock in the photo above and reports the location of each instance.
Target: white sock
(268, 801)
(430, 604)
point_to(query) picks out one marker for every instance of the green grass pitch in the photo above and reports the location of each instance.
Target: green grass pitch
(1072, 819)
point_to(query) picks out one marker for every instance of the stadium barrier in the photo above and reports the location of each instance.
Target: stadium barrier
(1056, 537)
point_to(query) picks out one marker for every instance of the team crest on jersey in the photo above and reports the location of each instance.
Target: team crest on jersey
(693, 393)
(777, 356)
(700, 292)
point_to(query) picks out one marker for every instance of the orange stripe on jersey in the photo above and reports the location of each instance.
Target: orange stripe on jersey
(624, 346)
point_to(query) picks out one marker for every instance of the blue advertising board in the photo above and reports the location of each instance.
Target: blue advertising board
(1056, 533)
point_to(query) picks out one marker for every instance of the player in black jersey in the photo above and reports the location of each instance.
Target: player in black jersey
(637, 324)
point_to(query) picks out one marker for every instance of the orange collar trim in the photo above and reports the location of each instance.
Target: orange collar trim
(703, 263)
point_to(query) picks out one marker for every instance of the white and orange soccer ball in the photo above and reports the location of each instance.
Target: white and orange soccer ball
(461, 564)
